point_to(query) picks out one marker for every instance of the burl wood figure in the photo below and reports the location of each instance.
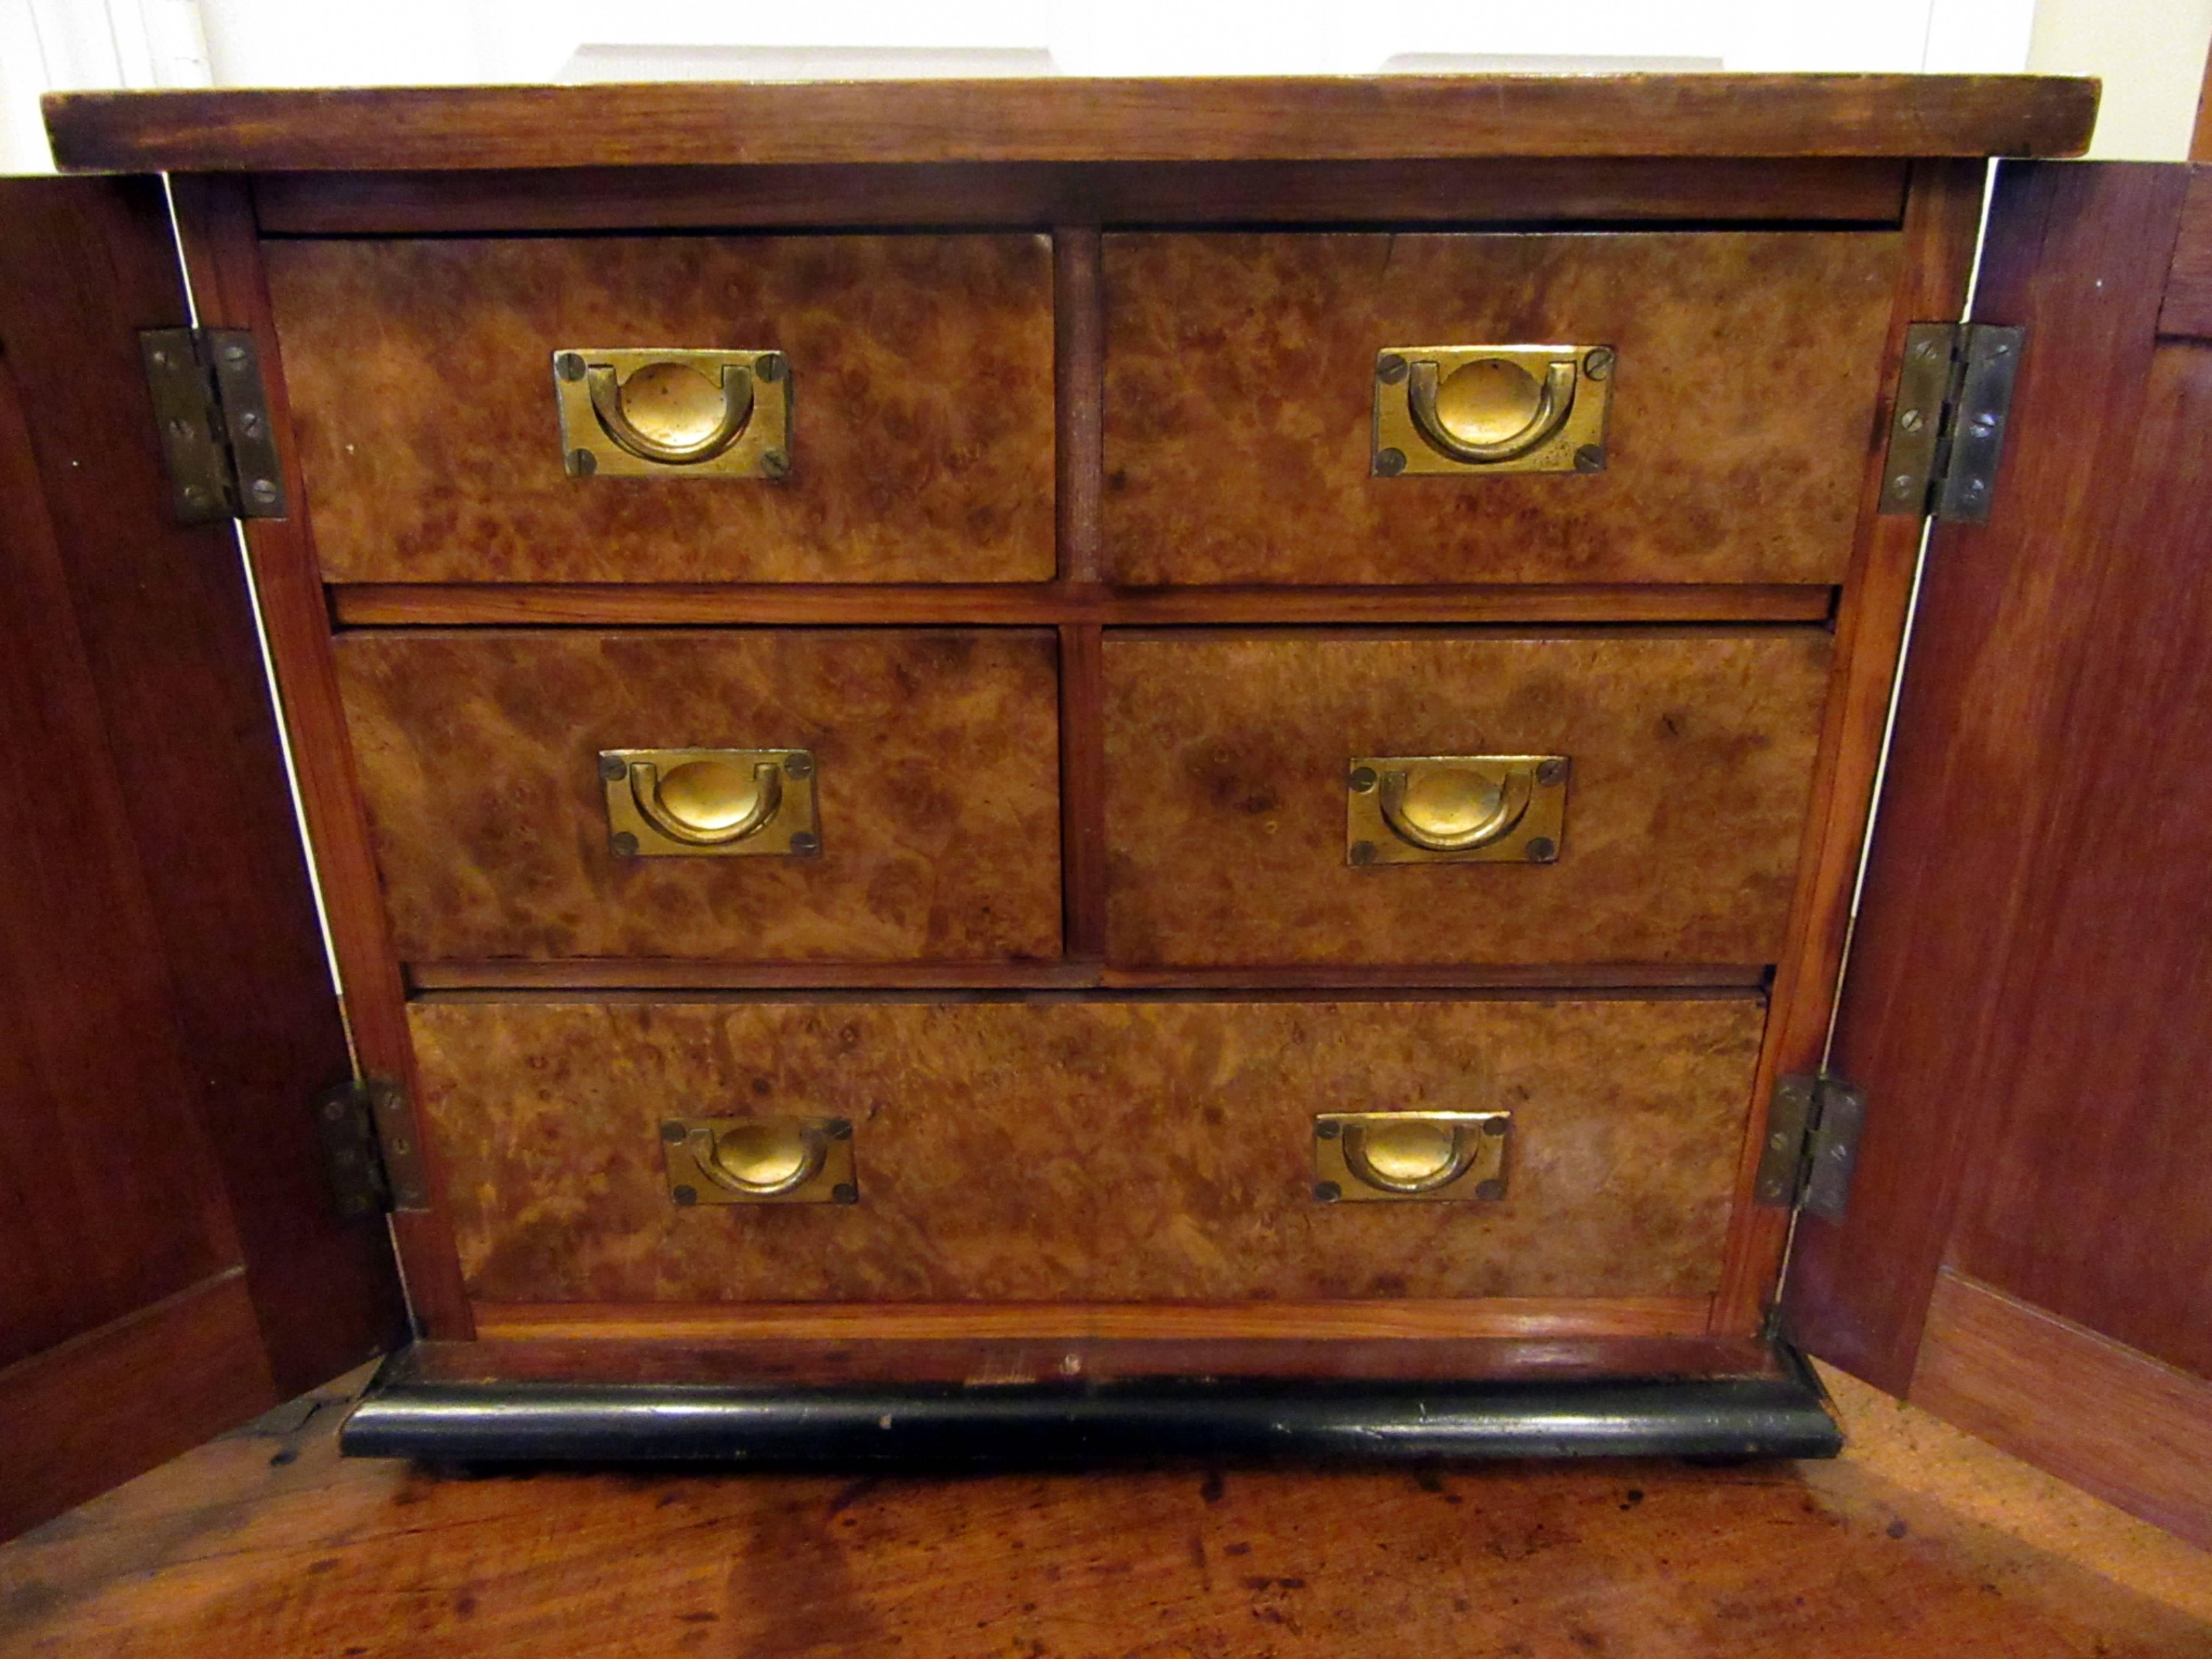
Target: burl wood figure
(1012, 771)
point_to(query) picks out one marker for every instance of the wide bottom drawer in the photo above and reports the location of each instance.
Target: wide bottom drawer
(1122, 1151)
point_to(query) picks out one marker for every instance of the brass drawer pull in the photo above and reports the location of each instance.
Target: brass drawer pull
(672, 407)
(769, 1160)
(1491, 409)
(1410, 1155)
(1428, 808)
(707, 803)
(673, 802)
(1487, 397)
(667, 412)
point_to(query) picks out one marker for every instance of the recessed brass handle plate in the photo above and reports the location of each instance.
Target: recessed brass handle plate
(1463, 410)
(759, 1160)
(1400, 1157)
(1454, 809)
(666, 412)
(710, 803)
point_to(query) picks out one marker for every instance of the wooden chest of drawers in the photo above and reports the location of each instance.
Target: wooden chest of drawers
(1251, 769)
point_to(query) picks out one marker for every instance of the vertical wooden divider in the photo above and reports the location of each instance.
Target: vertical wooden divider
(223, 254)
(1078, 384)
(1942, 213)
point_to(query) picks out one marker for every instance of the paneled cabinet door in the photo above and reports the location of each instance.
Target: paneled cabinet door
(171, 1260)
(2027, 1244)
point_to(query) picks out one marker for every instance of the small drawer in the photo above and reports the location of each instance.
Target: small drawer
(1601, 797)
(1120, 1151)
(1717, 395)
(909, 379)
(747, 795)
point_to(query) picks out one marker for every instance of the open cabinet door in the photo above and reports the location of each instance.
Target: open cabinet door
(172, 1261)
(2028, 1246)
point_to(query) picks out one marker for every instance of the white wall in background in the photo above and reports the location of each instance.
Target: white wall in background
(2151, 55)
(2151, 52)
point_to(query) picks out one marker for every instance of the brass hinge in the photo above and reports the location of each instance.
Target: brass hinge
(370, 1147)
(1812, 1145)
(1947, 433)
(218, 440)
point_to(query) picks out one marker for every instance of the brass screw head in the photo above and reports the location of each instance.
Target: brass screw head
(613, 768)
(685, 1196)
(770, 365)
(1389, 463)
(1389, 368)
(623, 843)
(1362, 779)
(1540, 850)
(1590, 458)
(1363, 852)
(798, 766)
(840, 1129)
(1327, 1192)
(1599, 363)
(844, 1192)
(1493, 1126)
(672, 1131)
(1550, 771)
(804, 845)
(775, 463)
(569, 365)
(1492, 1189)
(1327, 1131)
(582, 464)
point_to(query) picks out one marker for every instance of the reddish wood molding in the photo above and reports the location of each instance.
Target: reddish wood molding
(1517, 1317)
(222, 255)
(1353, 118)
(1014, 605)
(1867, 191)
(115, 1402)
(1942, 212)
(2108, 1419)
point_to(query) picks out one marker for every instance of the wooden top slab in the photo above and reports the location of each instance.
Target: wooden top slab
(1374, 118)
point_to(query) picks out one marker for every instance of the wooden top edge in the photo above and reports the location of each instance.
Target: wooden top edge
(1370, 118)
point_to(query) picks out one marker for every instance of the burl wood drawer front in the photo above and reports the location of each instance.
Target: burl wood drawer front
(1108, 1151)
(935, 776)
(921, 374)
(1690, 760)
(1240, 385)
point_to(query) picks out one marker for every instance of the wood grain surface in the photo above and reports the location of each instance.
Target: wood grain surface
(936, 758)
(1000, 604)
(518, 1346)
(1634, 1329)
(214, 220)
(1919, 1539)
(1943, 225)
(115, 1401)
(1332, 118)
(2094, 1412)
(1519, 191)
(1226, 757)
(1085, 1152)
(1240, 392)
(921, 379)
(2026, 991)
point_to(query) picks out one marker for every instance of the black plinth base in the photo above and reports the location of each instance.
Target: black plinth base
(1044, 1426)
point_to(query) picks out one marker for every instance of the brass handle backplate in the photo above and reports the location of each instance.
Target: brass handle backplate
(1491, 409)
(692, 803)
(1399, 1156)
(666, 412)
(1454, 809)
(759, 1160)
